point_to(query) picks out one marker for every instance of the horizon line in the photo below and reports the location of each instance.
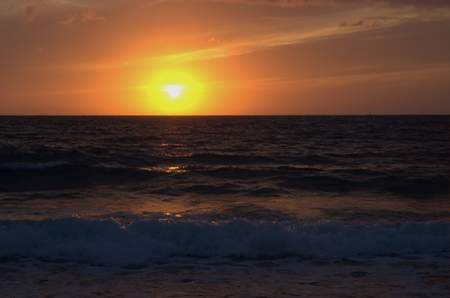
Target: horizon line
(222, 115)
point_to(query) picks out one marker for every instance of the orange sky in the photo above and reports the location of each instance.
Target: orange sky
(250, 56)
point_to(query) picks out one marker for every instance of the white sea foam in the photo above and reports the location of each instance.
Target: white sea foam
(107, 242)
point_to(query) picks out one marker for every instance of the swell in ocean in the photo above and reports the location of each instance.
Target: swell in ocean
(192, 177)
(257, 156)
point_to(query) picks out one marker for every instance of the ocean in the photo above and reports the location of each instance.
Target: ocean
(214, 197)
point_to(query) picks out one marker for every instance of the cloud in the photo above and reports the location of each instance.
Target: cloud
(265, 27)
(81, 10)
(50, 8)
(309, 3)
(270, 40)
(30, 13)
(83, 16)
(418, 3)
(371, 22)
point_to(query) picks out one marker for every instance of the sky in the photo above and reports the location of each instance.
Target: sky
(225, 57)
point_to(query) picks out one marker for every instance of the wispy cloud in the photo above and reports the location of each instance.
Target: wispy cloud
(312, 3)
(279, 36)
(244, 46)
(263, 28)
(83, 16)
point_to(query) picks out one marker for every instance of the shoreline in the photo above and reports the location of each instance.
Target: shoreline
(408, 276)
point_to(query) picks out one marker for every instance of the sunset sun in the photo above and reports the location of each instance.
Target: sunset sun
(175, 91)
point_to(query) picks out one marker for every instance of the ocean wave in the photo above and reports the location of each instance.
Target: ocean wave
(60, 175)
(30, 165)
(400, 185)
(219, 179)
(108, 242)
(227, 159)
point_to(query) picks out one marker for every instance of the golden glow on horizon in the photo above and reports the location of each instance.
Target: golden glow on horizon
(175, 92)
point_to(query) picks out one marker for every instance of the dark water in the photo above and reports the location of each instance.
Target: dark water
(257, 156)
(178, 172)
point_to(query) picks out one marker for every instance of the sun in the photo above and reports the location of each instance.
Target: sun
(175, 92)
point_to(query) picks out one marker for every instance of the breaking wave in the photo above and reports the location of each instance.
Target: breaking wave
(109, 242)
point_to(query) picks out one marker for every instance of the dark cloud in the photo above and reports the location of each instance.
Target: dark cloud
(372, 22)
(306, 3)
(419, 3)
(30, 12)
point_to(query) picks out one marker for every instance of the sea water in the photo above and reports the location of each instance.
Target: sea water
(137, 191)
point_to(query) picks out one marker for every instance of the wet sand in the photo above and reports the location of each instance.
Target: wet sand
(411, 276)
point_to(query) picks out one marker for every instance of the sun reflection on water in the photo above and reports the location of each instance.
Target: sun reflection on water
(167, 169)
(175, 169)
